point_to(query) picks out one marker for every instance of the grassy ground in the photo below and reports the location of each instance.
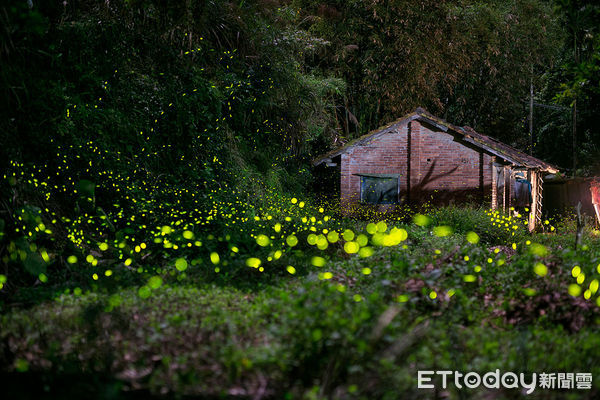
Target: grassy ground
(455, 290)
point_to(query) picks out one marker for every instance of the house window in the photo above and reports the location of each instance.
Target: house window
(379, 190)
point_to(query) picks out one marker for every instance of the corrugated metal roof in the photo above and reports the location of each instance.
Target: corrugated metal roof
(487, 143)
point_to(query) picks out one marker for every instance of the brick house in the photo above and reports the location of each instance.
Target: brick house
(420, 157)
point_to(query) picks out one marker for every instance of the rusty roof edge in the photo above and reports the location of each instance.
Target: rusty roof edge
(523, 159)
(477, 143)
(462, 131)
(428, 117)
(519, 158)
(360, 140)
(419, 113)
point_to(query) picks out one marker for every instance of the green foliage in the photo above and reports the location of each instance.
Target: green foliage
(352, 310)
(322, 334)
(157, 229)
(492, 227)
(470, 60)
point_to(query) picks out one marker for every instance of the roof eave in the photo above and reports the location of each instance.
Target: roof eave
(358, 141)
(491, 150)
(423, 115)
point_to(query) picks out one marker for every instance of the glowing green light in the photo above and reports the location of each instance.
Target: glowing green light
(351, 247)
(292, 240)
(181, 264)
(421, 220)
(472, 237)
(318, 261)
(144, 292)
(253, 262)
(574, 290)
(442, 231)
(155, 282)
(365, 252)
(263, 240)
(540, 269)
(348, 235)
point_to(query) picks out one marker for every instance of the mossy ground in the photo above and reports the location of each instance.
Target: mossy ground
(357, 327)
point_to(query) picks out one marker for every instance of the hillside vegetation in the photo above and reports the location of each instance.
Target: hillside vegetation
(162, 232)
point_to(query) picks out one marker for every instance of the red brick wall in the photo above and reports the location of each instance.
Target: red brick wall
(440, 167)
(386, 154)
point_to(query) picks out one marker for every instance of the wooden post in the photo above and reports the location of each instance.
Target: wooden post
(408, 160)
(595, 189)
(481, 178)
(506, 191)
(494, 185)
(538, 204)
(508, 184)
(579, 226)
(532, 176)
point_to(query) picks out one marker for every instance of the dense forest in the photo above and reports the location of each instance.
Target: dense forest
(162, 230)
(295, 76)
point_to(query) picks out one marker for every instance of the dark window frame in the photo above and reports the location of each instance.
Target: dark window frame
(366, 177)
